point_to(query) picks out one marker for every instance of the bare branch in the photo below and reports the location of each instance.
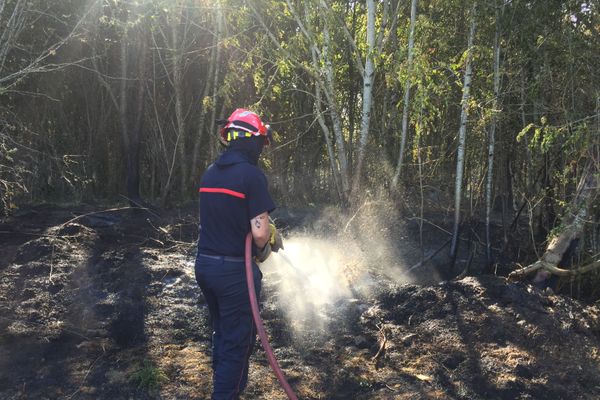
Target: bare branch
(36, 65)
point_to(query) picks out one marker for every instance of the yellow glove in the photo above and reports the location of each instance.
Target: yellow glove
(275, 240)
(273, 244)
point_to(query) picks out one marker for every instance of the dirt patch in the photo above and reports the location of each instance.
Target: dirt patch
(100, 305)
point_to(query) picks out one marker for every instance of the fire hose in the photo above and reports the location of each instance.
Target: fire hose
(259, 324)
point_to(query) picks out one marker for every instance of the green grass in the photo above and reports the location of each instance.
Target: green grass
(148, 376)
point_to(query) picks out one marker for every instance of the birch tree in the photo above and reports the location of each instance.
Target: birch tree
(368, 80)
(462, 134)
(407, 85)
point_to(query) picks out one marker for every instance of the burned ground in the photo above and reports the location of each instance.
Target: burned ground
(103, 305)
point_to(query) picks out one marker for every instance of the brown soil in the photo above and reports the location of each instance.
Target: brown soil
(105, 306)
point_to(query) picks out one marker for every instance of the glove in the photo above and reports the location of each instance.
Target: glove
(264, 253)
(273, 244)
(275, 240)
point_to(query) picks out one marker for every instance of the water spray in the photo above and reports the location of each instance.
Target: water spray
(316, 274)
(297, 271)
(288, 262)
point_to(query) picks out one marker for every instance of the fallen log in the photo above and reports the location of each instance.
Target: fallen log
(574, 223)
(539, 265)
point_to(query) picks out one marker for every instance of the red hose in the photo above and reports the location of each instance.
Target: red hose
(259, 324)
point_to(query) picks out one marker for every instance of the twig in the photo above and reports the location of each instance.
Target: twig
(51, 264)
(391, 388)
(87, 373)
(96, 212)
(381, 346)
(430, 223)
(139, 205)
(178, 245)
(154, 240)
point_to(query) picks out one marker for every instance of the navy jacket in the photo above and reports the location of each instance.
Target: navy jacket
(232, 192)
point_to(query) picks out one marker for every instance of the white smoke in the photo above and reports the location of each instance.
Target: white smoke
(312, 276)
(336, 261)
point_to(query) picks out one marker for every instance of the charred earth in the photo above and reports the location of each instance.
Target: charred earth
(102, 304)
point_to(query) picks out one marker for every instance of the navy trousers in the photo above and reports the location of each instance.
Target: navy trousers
(225, 290)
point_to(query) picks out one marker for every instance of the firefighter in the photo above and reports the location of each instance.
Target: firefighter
(234, 200)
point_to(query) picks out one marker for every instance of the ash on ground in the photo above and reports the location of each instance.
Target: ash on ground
(104, 305)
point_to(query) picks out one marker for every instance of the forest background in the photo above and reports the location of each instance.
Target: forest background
(485, 110)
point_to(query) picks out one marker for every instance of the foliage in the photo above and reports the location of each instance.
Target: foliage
(97, 89)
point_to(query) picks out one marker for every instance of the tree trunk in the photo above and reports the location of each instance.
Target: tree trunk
(462, 135)
(492, 139)
(403, 134)
(352, 98)
(326, 135)
(335, 116)
(367, 100)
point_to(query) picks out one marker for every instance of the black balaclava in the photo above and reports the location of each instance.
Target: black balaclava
(249, 147)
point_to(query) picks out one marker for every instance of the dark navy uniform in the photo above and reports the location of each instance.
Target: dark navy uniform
(232, 192)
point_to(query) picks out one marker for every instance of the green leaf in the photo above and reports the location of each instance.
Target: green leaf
(524, 132)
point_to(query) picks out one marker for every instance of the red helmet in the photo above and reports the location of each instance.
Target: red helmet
(245, 121)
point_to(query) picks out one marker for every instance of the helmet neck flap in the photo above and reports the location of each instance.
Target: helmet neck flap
(250, 148)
